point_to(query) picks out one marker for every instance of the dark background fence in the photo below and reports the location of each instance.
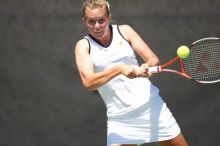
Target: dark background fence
(42, 100)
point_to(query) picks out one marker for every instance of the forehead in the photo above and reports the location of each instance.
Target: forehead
(95, 12)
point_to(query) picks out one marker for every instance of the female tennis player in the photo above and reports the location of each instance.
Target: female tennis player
(136, 114)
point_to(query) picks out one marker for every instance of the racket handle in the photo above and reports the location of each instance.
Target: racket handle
(154, 69)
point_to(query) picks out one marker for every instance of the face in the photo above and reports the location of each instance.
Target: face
(97, 22)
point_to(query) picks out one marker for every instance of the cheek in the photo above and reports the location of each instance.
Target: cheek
(90, 28)
(105, 25)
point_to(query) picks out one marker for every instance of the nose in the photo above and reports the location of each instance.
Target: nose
(97, 25)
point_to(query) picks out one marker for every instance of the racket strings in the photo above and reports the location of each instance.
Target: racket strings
(203, 64)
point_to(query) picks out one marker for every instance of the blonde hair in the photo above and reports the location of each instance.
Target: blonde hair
(92, 4)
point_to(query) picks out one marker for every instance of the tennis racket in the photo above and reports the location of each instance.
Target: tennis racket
(202, 65)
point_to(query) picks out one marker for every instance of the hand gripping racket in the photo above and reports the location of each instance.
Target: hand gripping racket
(202, 65)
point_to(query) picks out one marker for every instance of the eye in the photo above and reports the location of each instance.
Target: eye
(101, 21)
(91, 22)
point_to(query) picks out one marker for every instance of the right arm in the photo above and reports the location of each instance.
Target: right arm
(90, 79)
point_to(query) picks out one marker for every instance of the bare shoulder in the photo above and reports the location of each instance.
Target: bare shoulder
(82, 45)
(127, 31)
(125, 28)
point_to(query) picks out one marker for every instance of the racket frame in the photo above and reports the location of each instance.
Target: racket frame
(162, 68)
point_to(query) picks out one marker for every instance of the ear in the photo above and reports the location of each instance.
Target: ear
(83, 19)
(110, 16)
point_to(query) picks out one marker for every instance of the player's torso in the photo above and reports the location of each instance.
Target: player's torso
(118, 52)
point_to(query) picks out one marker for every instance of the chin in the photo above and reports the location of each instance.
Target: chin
(99, 36)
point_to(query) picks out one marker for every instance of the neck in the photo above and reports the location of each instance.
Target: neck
(105, 40)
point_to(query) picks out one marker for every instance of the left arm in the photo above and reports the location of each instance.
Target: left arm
(139, 46)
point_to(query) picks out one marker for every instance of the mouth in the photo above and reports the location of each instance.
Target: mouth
(98, 33)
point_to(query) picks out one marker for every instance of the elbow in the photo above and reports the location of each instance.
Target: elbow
(88, 83)
(89, 86)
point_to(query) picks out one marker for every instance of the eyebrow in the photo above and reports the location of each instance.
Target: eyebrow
(98, 17)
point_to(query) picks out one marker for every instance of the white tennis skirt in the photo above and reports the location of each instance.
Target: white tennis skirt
(148, 123)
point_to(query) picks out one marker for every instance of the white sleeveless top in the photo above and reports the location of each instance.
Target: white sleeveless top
(121, 94)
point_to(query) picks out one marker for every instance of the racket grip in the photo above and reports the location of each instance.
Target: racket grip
(154, 69)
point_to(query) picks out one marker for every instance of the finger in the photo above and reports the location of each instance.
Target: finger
(145, 65)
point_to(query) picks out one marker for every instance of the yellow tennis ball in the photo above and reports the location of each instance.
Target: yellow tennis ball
(183, 52)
